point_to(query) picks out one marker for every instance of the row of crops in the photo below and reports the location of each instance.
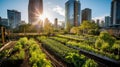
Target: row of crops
(67, 54)
(104, 49)
(36, 58)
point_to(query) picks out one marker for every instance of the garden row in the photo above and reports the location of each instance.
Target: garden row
(36, 58)
(101, 46)
(67, 54)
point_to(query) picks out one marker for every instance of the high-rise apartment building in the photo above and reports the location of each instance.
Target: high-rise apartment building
(115, 13)
(56, 23)
(86, 14)
(72, 13)
(14, 18)
(107, 21)
(35, 9)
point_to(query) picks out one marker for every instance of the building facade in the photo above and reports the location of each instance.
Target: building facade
(107, 21)
(86, 14)
(72, 13)
(56, 23)
(98, 22)
(35, 9)
(4, 22)
(115, 13)
(14, 18)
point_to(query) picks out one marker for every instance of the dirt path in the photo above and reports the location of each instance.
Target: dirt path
(26, 60)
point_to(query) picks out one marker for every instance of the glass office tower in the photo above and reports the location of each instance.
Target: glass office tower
(72, 13)
(14, 18)
(115, 13)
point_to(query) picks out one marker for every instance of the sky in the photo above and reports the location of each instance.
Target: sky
(56, 8)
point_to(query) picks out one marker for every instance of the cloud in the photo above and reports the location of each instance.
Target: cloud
(59, 10)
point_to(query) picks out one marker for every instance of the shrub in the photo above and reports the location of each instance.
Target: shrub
(104, 39)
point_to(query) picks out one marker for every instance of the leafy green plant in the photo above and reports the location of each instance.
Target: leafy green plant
(90, 63)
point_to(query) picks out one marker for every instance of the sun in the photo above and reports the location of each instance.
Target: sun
(41, 17)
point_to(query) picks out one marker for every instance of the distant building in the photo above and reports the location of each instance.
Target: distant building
(102, 24)
(115, 13)
(93, 21)
(107, 21)
(56, 23)
(4, 22)
(98, 22)
(14, 18)
(86, 14)
(35, 9)
(72, 13)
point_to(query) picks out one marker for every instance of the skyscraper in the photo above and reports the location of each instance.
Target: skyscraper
(72, 13)
(56, 23)
(115, 13)
(14, 18)
(107, 21)
(98, 22)
(35, 9)
(86, 14)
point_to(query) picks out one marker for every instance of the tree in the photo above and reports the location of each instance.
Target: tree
(48, 28)
(25, 28)
(68, 27)
(105, 41)
(87, 25)
(94, 32)
(74, 30)
(116, 46)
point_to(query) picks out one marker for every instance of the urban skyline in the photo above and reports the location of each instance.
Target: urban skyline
(66, 37)
(59, 5)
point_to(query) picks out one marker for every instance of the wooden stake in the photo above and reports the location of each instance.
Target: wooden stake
(3, 37)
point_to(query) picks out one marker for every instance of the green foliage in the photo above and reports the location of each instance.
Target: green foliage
(23, 41)
(90, 63)
(116, 46)
(63, 40)
(87, 25)
(93, 32)
(4, 53)
(105, 41)
(19, 55)
(64, 52)
(105, 47)
(19, 49)
(25, 28)
(89, 45)
(68, 27)
(48, 28)
(75, 30)
(76, 59)
(37, 57)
